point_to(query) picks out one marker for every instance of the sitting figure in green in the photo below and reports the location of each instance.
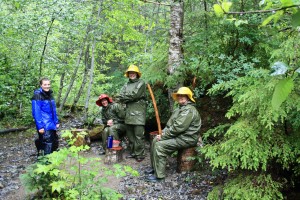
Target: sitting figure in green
(181, 132)
(113, 115)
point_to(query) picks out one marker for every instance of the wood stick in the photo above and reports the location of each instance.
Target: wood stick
(155, 109)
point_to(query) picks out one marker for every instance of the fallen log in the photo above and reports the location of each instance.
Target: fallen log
(96, 132)
(13, 130)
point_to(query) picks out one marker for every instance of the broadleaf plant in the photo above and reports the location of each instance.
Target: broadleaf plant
(68, 174)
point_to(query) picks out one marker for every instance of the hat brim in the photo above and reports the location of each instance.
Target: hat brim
(98, 102)
(174, 95)
(126, 74)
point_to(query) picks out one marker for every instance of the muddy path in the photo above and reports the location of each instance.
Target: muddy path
(18, 151)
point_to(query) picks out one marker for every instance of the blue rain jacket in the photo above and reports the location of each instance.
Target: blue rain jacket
(44, 110)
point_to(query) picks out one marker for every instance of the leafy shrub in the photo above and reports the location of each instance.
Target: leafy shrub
(249, 187)
(262, 139)
(67, 174)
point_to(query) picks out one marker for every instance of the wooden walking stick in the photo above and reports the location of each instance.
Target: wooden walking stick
(155, 109)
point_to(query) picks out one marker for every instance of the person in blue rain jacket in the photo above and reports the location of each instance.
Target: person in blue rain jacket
(45, 117)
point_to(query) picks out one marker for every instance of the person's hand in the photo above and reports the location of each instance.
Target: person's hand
(41, 131)
(158, 137)
(57, 125)
(110, 122)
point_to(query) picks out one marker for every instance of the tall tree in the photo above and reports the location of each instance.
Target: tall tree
(99, 31)
(45, 45)
(73, 77)
(176, 41)
(84, 78)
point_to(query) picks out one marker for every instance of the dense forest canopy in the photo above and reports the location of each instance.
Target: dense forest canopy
(247, 51)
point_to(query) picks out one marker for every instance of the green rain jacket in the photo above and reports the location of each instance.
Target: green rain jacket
(133, 94)
(183, 125)
(113, 111)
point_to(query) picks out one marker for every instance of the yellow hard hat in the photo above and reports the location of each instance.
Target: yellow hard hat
(184, 91)
(133, 68)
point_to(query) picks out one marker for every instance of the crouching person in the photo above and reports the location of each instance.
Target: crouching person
(45, 117)
(113, 115)
(181, 131)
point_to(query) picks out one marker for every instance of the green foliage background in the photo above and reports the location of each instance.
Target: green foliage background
(227, 50)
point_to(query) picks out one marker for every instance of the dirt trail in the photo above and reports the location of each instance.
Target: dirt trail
(18, 151)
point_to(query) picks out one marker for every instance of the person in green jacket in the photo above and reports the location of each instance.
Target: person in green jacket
(113, 118)
(181, 131)
(133, 94)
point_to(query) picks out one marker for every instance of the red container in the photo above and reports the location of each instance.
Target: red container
(116, 143)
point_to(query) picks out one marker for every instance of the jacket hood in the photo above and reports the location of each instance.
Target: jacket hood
(40, 90)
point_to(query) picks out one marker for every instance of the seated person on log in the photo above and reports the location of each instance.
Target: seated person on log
(113, 115)
(181, 132)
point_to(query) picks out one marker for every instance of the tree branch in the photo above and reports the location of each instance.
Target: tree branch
(13, 130)
(261, 11)
(45, 45)
(154, 2)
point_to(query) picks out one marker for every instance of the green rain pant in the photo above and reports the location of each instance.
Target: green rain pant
(159, 152)
(116, 130)
(135, 135)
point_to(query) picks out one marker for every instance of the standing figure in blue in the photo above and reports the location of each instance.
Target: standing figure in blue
(45, 117)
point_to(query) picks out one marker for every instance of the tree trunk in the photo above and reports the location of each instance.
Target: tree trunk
(45, 45)
(73, 77)
(91, 82)
(176, 41)
(62, 77)
(92, 66)
(61, 86)
(84, 79)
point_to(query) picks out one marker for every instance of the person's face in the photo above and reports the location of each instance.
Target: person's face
(132, 75)
(46, 86)
(104, 102)
(182, 99)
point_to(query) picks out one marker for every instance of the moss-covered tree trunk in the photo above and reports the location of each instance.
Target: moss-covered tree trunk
(176, 41)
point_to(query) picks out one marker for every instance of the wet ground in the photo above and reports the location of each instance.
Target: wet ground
(18, 151)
